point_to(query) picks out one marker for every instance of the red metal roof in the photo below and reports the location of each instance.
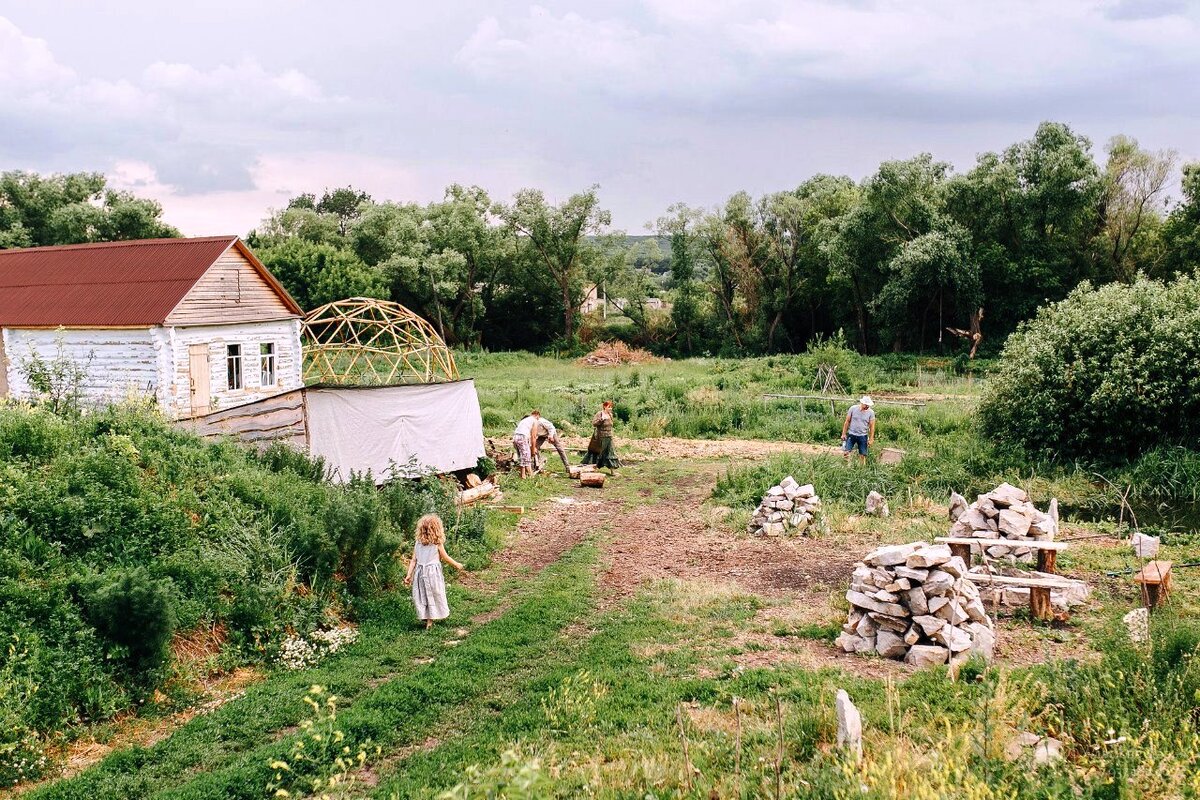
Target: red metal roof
(111, 284)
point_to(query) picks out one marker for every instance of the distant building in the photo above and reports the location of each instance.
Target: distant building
(196, 324)
(592, 302)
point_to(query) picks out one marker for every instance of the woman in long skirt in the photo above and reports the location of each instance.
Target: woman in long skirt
(600, 448)
(425, 570)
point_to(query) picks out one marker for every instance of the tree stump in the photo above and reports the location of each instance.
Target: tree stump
(963, 551)
(1047, 561)
(1039, 603)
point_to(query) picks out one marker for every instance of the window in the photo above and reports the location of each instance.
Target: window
(233, 365)
(266, 357)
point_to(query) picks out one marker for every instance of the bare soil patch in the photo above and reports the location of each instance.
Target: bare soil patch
(668, 447)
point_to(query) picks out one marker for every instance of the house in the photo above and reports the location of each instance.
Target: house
(198, 324)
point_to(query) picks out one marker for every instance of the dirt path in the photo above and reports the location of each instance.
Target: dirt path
(689, 449)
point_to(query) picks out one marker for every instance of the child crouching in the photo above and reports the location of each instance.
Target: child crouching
(425, 570)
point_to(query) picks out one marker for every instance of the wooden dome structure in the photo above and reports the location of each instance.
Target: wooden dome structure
(362, 341)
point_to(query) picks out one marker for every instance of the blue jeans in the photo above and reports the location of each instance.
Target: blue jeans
(854, 440)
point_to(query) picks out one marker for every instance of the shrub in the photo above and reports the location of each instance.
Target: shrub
(1105, 374)
(134, 611)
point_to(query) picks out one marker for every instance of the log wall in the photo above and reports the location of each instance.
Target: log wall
(276, 419)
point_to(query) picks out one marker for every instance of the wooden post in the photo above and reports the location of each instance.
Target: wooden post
(1047, 561)
(1155, 579)
(1039, 603)
(963, 551)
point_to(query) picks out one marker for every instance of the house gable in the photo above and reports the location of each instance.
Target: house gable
(236, 288)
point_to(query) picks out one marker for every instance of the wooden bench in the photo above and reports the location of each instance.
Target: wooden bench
(1047, 560)
(1155, 579)
(1039, 589)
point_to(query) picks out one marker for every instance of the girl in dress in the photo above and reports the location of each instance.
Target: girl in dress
(425, 570)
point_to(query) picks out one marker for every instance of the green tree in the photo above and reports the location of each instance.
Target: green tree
(76, 208)
(315, 273)
(557, 237)
(1181, 231)
(1135, 183)
(680, 227)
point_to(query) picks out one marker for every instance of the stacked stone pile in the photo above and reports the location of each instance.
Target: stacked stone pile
(787, 508)
(916, 602)
(1003, 513)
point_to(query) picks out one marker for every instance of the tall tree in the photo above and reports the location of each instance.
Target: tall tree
(557, 236)
(680, 227)
(1135, 183)
(1181, 232)
(75, 208)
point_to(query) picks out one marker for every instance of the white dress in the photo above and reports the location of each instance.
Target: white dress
(429, 584)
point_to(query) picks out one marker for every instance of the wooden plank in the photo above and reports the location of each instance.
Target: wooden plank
(231, 290)
(1154, 572)
(982, 579)
(1009, 543)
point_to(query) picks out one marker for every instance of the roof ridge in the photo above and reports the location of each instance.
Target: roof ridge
(124, 243)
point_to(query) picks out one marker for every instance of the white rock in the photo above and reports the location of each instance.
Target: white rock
(955, 567)
(1047, 750)
(952, 612)
(929, 556)
(1137, 623)
(871, 604)
(983, 641)
(926, 655)
(865, 644)
(975, 519)
(917, 601)
(1014, 523)
(893, 624)
(848, 642)
(918, 575)
(775, 491)
(866, 627)
(912, 635)
(774, 529)
(976, 611)
(1006, 494)
(890, 645)
(1144, 546)
(938, 583)
(936, 604)
(886, 596)
(892, 554)
(789, 482)
(958, 506)
(899, 585)
(953, 638)
(849, 734)
(807, 490)
(784, 505)
(930, 625)
(877, 505)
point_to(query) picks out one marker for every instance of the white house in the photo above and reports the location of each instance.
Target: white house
(199, 324)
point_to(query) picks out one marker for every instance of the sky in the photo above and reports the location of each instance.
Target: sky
(224, 109)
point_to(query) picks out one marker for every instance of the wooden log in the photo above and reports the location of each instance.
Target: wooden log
(1047, 560)
(1039, 603)
(594, 480)
(580, 469)
(471, 496)
(472, 480)
(1012, 544)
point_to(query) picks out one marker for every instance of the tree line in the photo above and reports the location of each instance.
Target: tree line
(893, 261)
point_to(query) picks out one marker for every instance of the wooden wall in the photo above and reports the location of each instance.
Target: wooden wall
(230, 291)
(276, 419)
(118, 363)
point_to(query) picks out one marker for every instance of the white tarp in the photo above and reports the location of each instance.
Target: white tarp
(405, 430)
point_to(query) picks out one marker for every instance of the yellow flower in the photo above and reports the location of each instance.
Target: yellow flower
(280, 765)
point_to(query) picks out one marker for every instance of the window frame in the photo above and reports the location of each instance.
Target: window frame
(235, 376)
(268, 365)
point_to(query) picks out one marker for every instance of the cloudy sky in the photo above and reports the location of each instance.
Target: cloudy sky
(222, 109)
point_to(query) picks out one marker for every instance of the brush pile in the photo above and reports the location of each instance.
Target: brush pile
(786, 508)
(916, 602)
(1003, 513)
(613, 354)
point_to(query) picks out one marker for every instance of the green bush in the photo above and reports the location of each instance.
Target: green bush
(1105, 374)
(133, 611)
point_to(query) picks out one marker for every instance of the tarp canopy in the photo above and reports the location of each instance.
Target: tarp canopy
(395, 430)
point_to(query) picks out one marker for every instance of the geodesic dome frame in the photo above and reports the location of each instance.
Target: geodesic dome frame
(362, 341)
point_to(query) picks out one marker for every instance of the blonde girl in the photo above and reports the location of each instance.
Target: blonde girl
(425, 570)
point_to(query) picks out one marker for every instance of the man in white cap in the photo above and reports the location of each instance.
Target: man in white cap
(858, 431)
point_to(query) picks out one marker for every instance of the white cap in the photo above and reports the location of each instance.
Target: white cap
(866, 400)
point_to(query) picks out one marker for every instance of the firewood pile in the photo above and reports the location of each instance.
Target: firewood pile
(1003, 513)
(612, 354)
(787, 508)
(916, 602)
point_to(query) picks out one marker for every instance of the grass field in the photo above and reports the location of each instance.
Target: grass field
(632, 642)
